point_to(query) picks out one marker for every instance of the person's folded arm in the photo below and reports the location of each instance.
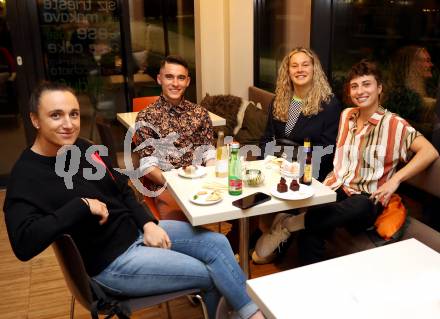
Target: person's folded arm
(424, 155)
(31, 230)
(141, 213)
(149, 167)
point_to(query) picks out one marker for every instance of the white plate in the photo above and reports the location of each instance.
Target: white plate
(201, 199)
(200, 171)
(287, 174)
(304, 192)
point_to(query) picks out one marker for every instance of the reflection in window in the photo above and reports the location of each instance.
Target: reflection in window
(159, 28)
(404, 38)
(81, 45)
(282, 26)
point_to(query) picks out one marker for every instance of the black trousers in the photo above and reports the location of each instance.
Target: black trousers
(356, 213)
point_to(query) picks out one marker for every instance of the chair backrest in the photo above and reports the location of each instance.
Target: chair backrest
(73, 269)
(149, 201)
(139, 103)
(107, 138)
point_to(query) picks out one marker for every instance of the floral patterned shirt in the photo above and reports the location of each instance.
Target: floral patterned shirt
(171, 136)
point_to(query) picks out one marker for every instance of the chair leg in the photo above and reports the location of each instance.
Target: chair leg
(72, 307)
(168, 310)
(193, 300)
(202, 302)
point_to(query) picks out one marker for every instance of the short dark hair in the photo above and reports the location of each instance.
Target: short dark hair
(174, 59)
(44, 86)
(365, 67)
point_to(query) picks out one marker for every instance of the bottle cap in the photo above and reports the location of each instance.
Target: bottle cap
(235, 145)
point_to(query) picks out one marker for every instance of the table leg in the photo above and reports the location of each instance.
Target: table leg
(244, 245)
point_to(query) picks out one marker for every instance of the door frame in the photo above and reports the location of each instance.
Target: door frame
(30, 72)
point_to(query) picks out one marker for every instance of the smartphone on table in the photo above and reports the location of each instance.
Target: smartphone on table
(251, 200)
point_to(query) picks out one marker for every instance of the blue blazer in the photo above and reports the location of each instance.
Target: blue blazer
(322, 129)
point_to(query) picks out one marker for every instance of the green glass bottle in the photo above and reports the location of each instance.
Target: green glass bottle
(235, 181)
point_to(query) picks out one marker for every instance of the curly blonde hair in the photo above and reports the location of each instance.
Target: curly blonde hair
(320, 91)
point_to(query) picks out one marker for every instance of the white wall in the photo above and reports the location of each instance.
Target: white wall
(211, 42)
(241, 44)
(224, 46)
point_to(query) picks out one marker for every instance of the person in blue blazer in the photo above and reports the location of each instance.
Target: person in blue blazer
(304, 107)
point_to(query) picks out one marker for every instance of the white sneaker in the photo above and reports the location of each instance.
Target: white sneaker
(270, 241)
(261, 261)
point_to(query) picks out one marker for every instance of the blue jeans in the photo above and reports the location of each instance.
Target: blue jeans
(197, 259)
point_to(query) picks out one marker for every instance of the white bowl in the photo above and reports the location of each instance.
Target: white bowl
(253, 177)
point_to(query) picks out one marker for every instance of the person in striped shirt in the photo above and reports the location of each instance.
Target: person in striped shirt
(371, 143)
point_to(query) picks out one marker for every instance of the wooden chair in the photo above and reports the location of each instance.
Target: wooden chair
(108, 139)
(117, 158)
(139, 103)
(92, 297)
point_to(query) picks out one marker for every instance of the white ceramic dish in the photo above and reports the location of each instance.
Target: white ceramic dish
(287, 174)
(304, 192)
(200, 171)
(202, 199)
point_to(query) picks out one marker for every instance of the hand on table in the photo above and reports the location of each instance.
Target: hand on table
(155, 236)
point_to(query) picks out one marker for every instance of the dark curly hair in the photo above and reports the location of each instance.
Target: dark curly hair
(363, 67)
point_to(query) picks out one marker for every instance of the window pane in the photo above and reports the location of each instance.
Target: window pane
(404, 38)
(284, 24)
(12, 132)
(81, 42)
(159, 28)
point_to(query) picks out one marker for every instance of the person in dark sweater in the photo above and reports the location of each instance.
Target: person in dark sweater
(124, 248)
(304, 107)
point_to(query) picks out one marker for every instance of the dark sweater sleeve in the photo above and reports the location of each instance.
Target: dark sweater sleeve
(269, 133)
(332, 112)
(141, 213)
(31, 231)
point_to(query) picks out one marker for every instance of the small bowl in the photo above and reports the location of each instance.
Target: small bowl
(253, 177)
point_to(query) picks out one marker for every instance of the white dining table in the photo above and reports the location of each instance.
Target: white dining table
(396, 281)
(128, 119)
(183, 188)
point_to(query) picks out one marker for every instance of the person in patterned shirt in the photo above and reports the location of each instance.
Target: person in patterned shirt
(370, 144)
(173, 133)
